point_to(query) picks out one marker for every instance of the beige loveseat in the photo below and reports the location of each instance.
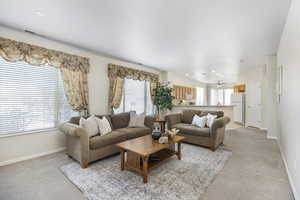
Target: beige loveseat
(87, 149)
(209, 137)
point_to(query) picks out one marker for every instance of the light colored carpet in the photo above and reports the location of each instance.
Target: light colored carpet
(173, 179)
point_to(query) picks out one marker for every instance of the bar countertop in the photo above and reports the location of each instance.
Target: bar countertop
(218, 106)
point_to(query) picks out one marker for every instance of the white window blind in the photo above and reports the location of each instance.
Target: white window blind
(136, 97)
(220, 96)
(200, 96)
(31, 98)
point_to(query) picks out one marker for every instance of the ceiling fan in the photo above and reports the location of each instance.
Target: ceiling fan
(220, 84)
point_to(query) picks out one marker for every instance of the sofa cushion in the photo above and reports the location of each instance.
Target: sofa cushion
(107, 117)
(218, 113)
(90, 125)
(149, 120)
(199, 121)
(120, 120)
(103, 125)
(187, 115)
(111, 138)
(135, 132)
(75, 120)
(192, 130)
(136, 120)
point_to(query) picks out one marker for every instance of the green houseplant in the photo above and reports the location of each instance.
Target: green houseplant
(162, 98)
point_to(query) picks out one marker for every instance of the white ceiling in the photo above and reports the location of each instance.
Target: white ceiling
(191, 37)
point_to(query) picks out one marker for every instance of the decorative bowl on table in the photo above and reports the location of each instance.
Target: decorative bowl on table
(172, 133)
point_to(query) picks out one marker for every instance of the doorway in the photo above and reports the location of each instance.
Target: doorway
(253, 104)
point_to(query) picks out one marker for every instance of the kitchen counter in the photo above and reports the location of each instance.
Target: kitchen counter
(211, 106)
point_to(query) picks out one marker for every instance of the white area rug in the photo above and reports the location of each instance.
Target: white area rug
(172, 180)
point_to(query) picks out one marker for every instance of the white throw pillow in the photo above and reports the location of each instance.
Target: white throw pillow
(136, 120)
(199, 121)
(210, 119)
(104, 126)
(90, 125)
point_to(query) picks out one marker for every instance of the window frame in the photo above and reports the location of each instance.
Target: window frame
(58, 97)
(200, 96)
(223, 95)
(146, 91)
(44, 130)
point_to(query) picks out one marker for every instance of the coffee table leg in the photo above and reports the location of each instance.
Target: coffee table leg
(145, 168)
(179, 150)
(122, 159)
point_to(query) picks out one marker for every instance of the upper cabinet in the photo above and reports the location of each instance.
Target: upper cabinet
(184, 93)
(239, 88)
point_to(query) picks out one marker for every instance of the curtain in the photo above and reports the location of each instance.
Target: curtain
(152, 87)
(125, 72)
(116, 86)
(76, 89)
(117, 74)
(74, 68)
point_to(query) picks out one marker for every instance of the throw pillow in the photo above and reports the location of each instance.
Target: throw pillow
(104, 126)
(136, 120)
(90, 125)
(210, 119)
(199, 121)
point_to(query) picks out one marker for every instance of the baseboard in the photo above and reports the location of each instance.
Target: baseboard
(230, 128)
(8, 162)
(272, 138)
(264, 129)
(296, 196)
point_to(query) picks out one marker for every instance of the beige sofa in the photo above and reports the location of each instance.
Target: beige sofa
(87, 149)
(209, 137)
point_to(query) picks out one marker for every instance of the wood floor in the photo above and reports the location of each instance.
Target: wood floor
(255, 171)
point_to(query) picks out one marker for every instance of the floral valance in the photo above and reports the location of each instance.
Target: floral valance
(124, 72)
(13, 51)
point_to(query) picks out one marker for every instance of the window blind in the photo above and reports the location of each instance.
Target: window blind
(31, 98)
(220, 96)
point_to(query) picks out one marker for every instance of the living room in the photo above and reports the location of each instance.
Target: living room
(149, 100)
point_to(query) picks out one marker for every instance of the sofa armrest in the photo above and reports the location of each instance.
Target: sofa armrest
(75, 131)
(173, 119)
(149, 120)
(217, 124)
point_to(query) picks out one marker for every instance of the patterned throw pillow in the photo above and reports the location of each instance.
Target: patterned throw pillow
(210, 119)
(104, 126)
(199, 121)
(136, 120)
(90, 125)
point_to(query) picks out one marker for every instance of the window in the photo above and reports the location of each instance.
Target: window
(227, 96)
(220, 96)
(136, 97)
(31, 98)
(200, 96)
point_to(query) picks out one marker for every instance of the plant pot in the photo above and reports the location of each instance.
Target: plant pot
(160, 115)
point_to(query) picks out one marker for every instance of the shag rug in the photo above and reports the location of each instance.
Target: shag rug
(172, 180)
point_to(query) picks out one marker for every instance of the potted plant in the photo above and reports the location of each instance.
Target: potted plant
(162, 98)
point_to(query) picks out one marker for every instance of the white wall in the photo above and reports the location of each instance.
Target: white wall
(18, 147)
(289, 57)
(269, 97)
(250, 74)
(182, 80)
(265, 74)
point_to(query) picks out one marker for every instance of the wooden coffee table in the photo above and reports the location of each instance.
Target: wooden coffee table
(143, 153)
